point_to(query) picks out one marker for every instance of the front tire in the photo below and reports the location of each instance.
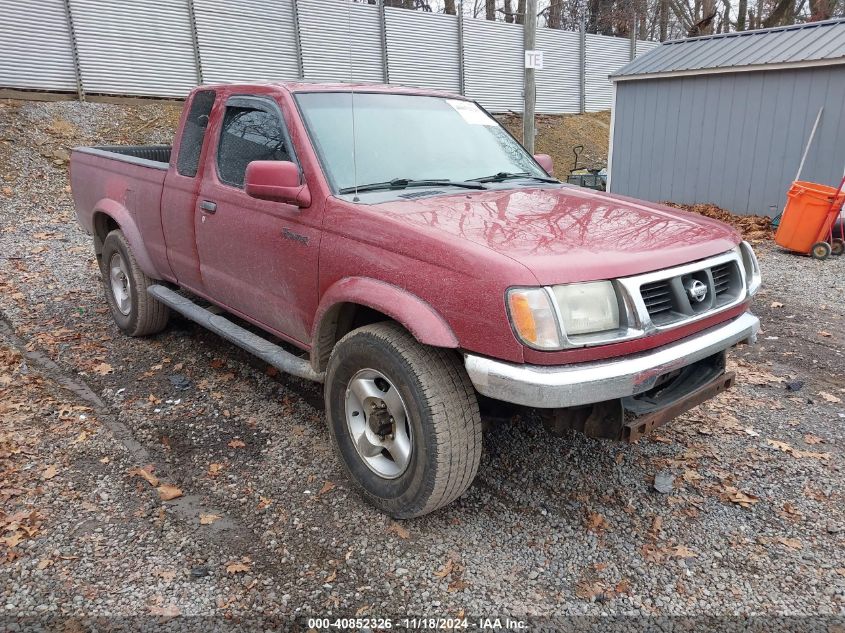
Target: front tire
(135, 312)
(404, 420)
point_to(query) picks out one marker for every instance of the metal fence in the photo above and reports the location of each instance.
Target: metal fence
(165, 47)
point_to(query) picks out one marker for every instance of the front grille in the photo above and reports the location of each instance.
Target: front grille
(668, 301)
(658, 300)
(722, 277)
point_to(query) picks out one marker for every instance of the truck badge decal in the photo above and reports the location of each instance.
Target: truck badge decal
(696, 289)
(296, 237)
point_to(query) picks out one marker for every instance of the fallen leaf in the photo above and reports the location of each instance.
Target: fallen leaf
(777, 304)
(829, 397)
(208, 519)
(236, 444)
(146, 473)
(781, 446)
(331, 577)
(101, 369)
(166, 492)
(812, 439)
(792, 543)
(400, 531)
(214, 469)
(217, 363)
(49, 472)
(682, 551)
(236, 568)
(264, 502)
(83, 435)
(825, 334)
(458, 585)
(327, 487)
(167, 612)
(740, 498)
(587, 590)
(596, 522)
(446, 569)
(44, 564)
(165, 574)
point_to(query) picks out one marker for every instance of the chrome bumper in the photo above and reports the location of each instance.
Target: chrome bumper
(584, 383)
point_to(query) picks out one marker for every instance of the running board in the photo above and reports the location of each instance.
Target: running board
(252, 343)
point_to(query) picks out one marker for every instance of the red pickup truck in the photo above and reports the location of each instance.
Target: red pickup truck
(422, 265)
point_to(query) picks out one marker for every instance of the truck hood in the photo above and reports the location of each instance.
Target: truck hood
(566, 234)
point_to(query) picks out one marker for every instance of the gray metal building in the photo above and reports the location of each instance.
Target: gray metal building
(724, 119)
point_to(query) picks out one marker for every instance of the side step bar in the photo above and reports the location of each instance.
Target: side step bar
(254, 344)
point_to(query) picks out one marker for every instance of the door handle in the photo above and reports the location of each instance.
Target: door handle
(208, 206)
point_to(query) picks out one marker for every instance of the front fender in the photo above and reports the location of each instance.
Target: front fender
(415, 315)
(126, 222)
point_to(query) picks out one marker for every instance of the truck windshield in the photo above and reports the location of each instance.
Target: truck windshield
(409, 137)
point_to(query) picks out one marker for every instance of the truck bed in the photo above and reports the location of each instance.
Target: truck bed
(157, 156)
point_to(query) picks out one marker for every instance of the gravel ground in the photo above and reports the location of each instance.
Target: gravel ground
(97, 427)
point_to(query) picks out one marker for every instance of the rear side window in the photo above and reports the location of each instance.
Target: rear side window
(194, 133)
(249, 134)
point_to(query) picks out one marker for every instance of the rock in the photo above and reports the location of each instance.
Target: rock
(664, 482)
(794, 385)
(180, 382)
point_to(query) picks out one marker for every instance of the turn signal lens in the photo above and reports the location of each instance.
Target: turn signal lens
(533, 318)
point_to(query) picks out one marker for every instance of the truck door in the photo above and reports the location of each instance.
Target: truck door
(258, 258)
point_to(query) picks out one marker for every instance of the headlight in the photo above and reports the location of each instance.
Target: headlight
(587, 308)
(753, 278)
(533, 317)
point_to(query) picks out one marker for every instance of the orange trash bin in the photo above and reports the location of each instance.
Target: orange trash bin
(810, 211)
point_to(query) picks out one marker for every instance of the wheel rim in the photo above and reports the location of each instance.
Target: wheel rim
(378, 424)
(120, 286)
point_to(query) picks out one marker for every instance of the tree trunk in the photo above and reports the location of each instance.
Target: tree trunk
(509, 16)
(780, 15)
(555, 14)
(821, 10)
(520, 12)
(664, 21)
(741, 12)
(449, 7)
(490, 9)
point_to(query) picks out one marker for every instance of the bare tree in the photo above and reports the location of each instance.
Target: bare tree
(449, 7)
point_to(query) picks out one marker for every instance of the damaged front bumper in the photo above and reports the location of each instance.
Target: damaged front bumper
(554, 387)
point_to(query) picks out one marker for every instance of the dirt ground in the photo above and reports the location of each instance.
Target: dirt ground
(177, 475)
(558, 134)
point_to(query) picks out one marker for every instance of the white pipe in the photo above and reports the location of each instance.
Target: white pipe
(809, 142)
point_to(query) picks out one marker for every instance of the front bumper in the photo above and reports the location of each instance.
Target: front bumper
(552, 387)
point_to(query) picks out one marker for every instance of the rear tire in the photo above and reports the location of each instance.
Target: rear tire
(135, 311)
(403, 418)
(837, 247)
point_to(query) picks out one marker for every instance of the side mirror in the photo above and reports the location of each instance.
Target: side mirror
(545, 161)
(277, 180)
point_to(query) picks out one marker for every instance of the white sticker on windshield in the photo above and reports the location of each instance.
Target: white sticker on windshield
(470, 112)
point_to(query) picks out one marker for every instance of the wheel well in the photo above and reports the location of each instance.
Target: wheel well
(338, 321)
(103, 225)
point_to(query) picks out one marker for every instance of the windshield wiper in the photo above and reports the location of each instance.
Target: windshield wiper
(508, 175)
(404, 183)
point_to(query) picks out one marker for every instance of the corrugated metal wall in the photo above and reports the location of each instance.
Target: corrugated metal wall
(493, 63)
(559, 83)
(135, 47)
(603, 52)
(732, 139)
(241, 41)
(423, 49)
(325, 27)
(166, 47)
(35, 47)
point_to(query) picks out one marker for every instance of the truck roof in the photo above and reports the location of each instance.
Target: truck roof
(314, 86)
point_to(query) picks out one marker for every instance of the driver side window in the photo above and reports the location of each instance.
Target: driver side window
(248, 134)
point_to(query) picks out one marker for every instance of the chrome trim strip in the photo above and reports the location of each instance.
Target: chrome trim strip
(584, 383)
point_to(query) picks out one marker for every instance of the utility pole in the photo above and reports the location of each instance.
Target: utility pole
(529, 40)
